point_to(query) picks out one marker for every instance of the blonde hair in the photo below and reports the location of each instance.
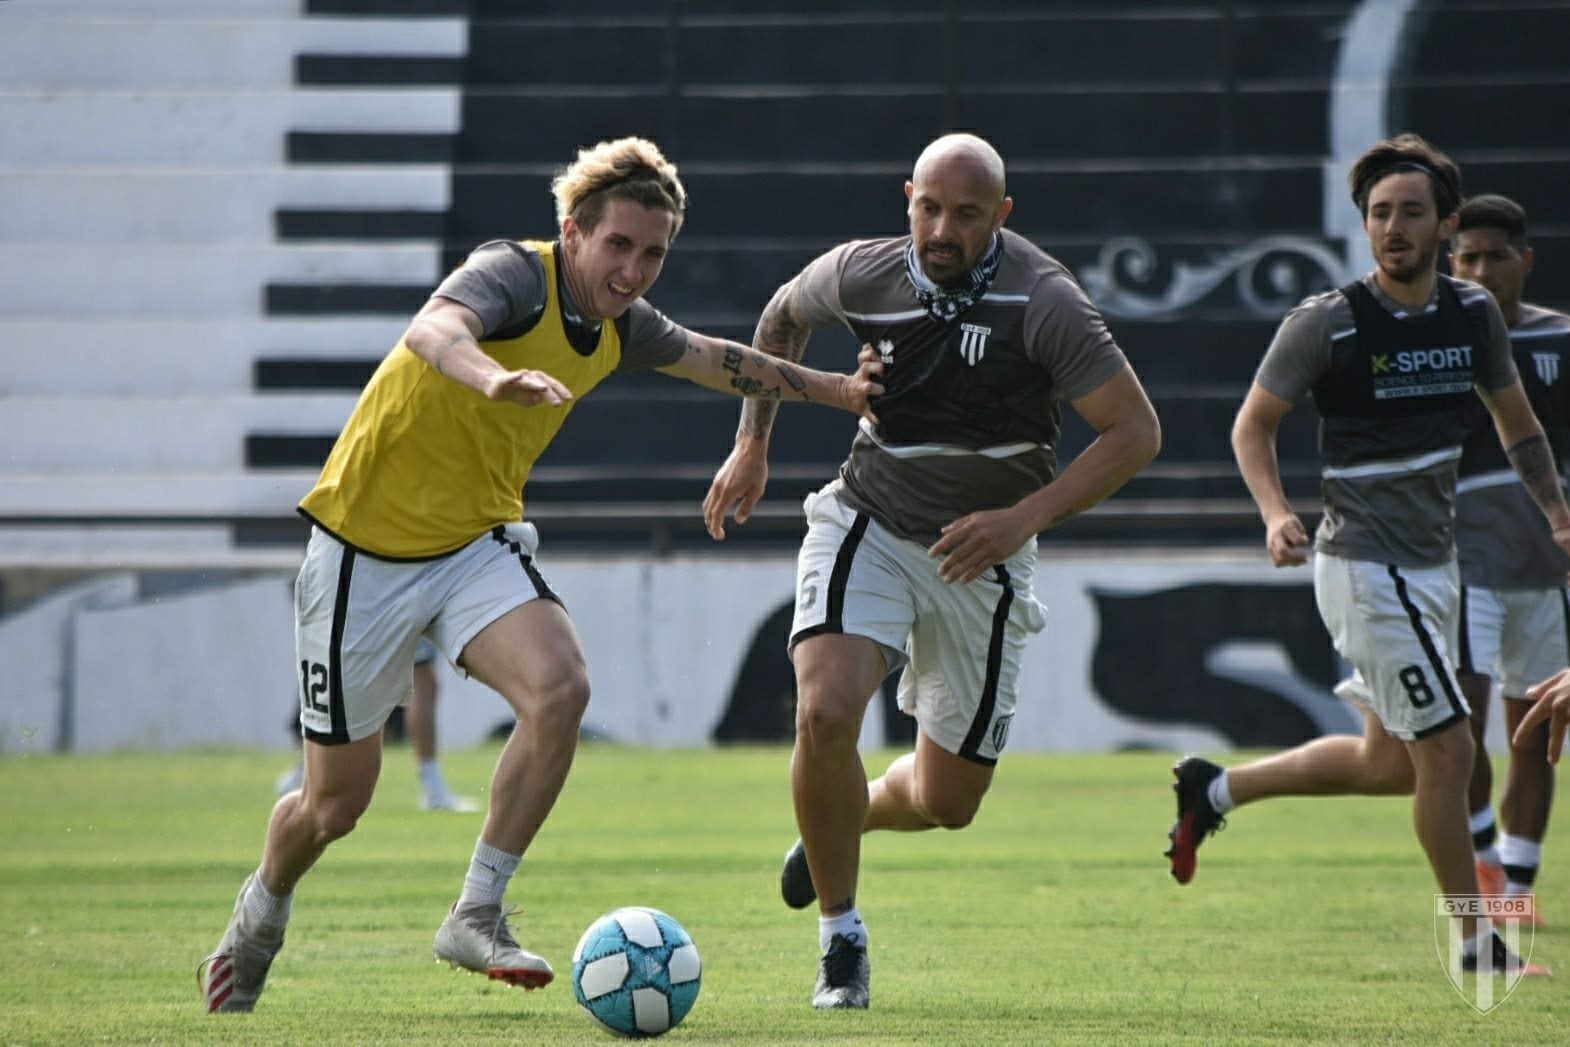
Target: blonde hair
(628, 169)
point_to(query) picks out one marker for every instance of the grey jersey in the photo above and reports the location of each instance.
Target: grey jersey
(1504, 540)
(969, 418)
(503, 281)
(1385, 499)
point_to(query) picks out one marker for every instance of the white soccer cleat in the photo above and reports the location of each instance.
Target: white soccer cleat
(446, 801)
(477, 938)
(232, 978)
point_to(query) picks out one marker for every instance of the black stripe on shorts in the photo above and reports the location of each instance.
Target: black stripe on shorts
(1458, 710)
(1464, 655)
(340, 732)
(839, 581)
(541, 587)
(970, 750)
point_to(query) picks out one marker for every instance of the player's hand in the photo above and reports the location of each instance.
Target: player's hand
(737, 486)
(1287, 541)
(972, 545)
(1551, 702)
(864, 385)
(527, 388)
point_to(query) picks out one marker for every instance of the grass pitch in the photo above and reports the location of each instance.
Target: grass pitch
(1051, 920)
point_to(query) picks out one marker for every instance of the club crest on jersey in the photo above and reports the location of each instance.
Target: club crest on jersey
(886, 352)
(1547, 367)
(973, 342)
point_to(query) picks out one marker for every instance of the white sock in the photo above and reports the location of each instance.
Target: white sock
(265, 906)
(847, 924)
(490, 871)
(1220, 794)
(1522, 855)
(1481, 825)
(431, 778)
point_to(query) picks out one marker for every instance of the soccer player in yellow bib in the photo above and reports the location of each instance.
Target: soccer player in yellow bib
(418, 531)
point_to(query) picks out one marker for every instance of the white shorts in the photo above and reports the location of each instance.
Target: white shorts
(360, 619)
(1397, 626)
(1515, 636)
(959, 645)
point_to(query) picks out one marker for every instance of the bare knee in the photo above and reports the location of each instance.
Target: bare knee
(331, 817)
(555, 705)
(821, 720)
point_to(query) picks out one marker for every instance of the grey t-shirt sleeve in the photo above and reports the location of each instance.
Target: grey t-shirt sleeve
(1498, 368)
(1065, 334)
(503, 282)
(1299, 354)
(812, 296)
(649, 338)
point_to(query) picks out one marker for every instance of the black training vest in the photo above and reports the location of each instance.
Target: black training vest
(1397, 388)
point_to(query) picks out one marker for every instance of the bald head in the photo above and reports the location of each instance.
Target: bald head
(963, 155)
(956, 205)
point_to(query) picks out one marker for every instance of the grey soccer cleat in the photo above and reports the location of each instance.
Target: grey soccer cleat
(844, 976)
(796, 879)
(477, 938)
(232, 978)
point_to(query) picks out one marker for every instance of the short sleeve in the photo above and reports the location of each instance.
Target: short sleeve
(503, 282)
(649, 338)
(1299, 354)
(1066, 335)
(1499, 368)
(812, 296)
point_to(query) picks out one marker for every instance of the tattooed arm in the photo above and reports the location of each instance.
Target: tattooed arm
(1524, 442)
(765, 379)
(739, 484)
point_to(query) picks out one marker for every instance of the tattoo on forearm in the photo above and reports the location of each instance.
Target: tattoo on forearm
(793, 378)
(787, 343)
(731, 361)
(1534, 464)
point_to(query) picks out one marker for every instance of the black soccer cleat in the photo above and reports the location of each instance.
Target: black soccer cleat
(844, 976)
(1503, 962)
(1196, 819)
(796, 879)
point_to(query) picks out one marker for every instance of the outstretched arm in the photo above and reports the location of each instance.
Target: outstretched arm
(765, 380)
(1254, 445)
(446, 335)
(1129, 435)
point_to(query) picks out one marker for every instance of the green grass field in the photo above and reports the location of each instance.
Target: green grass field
(1051, 920)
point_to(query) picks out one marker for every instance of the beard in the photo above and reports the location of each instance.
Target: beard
(1420, 263)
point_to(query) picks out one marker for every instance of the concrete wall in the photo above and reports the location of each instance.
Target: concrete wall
(684, 650)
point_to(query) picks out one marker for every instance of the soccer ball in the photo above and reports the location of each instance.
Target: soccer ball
(636, 972)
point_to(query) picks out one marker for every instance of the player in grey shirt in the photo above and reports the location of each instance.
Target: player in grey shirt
(920, 555)
(1392, 361)
(1515, 623)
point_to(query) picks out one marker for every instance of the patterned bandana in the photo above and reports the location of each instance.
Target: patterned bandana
(944, 304)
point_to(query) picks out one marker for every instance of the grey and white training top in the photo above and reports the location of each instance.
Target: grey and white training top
(1504, 540)
(1393, 387)
(969, 419)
